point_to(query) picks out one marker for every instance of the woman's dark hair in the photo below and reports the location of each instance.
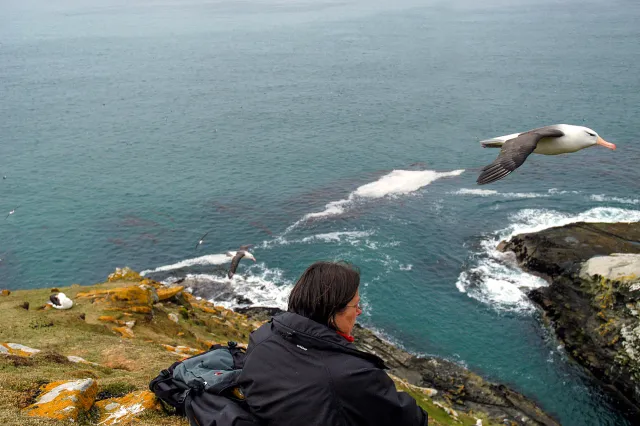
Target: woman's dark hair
(323, 290)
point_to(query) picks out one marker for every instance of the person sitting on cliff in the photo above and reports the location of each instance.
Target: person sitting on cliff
(302, 367)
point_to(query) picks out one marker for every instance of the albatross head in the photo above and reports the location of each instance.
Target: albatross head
(590, 137)
(249, 256)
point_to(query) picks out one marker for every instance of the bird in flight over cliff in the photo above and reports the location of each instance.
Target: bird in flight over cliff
(11, 212)
(243, 251)
(548, 140)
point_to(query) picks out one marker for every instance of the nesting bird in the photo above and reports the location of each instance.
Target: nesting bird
(60, 301)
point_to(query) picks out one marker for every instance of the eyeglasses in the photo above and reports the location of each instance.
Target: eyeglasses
(358, 306)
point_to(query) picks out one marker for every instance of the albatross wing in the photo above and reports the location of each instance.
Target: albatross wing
(514, 152)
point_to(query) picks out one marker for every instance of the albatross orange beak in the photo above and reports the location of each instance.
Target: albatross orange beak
(606, 144)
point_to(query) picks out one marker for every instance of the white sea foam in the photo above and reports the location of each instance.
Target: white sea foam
(557, 191)
(209, 259)
(262, 285)
(491, 192)
(606, 199)
(495, 278)
(338, 236)
(398, 182)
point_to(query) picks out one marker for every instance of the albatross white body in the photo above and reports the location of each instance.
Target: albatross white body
(575, 138)
(549, 140)
(60, 301)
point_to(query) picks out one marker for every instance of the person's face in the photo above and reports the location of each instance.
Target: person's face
(346, 319)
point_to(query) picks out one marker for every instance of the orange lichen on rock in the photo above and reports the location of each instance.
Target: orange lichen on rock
(5, 292)
(182, 350)
(124, 274)
(108, 318)
(64, 400)
(165, 293)
(207, 309)
(125, 332)
(134, 298)
(17, 349)
(125, 410)
(141, 295)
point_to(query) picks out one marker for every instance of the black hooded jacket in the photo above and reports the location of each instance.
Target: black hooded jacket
(300, 373)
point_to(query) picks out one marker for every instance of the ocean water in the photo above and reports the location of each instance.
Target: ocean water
(321, 130)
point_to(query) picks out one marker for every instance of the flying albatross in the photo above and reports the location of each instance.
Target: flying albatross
(548, 140)
(11, 212)
(201, 240)
(237, 256)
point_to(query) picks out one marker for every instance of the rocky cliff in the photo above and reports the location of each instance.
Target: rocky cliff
(92, 364)
(593, 300)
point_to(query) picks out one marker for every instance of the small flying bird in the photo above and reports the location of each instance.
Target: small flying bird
(4, 177)
(201, 240)
(60, 301)
(549, 140)
(11, 212)
(237, 256)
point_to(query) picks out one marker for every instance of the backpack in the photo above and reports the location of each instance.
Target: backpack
(204, 388)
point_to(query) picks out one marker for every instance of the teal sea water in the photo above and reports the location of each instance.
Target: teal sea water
(129, 129)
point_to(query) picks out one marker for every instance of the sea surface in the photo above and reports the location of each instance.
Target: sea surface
(324, 129)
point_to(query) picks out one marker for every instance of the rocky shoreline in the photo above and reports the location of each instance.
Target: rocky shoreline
(593, 299)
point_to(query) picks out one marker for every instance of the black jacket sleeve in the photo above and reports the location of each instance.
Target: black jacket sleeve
(369, 396)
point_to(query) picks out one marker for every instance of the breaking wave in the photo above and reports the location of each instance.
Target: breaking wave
(606, 199)
(398, 182)
(496, 279)
(209, 259)
(259, 286)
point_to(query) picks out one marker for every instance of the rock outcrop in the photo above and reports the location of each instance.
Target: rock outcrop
(64, 400)
(593, 300)
(124, 410)
(450, 385)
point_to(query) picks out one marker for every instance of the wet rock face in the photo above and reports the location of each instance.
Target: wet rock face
(593, 300)
(562, 250)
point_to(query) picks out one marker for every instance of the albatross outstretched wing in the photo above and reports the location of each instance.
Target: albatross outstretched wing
(235, 262)
(514, 152)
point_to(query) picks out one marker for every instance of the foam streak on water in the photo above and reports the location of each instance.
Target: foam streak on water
(209, 259)
(491, 192)
(495, 278)
(398, 182)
